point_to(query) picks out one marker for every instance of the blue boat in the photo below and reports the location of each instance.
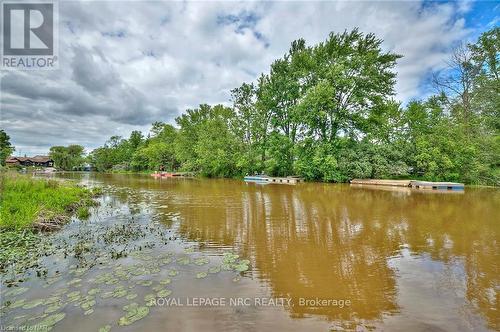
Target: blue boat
(256, 178)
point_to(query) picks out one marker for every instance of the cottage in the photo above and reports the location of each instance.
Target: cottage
(37, 161)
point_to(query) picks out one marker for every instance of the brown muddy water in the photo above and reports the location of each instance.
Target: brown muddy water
(225, 255)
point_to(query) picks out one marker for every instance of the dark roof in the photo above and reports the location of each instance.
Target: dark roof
(35, 159)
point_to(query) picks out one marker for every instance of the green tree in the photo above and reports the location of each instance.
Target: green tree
(67, 158)
(6, 147)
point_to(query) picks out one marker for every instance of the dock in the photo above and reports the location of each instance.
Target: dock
(376, 182)
(264, 179)
(437, 185)
(414, 184)
(172, 175)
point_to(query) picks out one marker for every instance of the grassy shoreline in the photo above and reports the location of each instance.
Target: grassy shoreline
(32, 203)
(29, 206)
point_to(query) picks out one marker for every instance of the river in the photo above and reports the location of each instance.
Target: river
(229, 255)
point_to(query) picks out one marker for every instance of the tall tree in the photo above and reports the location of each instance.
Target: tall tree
(68, 157)
(6, 147)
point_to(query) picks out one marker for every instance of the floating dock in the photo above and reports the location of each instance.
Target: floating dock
(264, 179)
(411, 184)
(375, 182)
(172, 174)
(437, 185)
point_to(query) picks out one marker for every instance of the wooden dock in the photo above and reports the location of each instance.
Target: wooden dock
(377, 182)
(264, 179)
(159, 175)
(411, 184)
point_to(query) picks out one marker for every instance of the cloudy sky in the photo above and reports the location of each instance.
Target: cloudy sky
(125, 64)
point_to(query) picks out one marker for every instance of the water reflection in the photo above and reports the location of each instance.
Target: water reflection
(403, 258)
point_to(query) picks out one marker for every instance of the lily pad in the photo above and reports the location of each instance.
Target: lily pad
(165, 281)
(149, 299)
(183, 261)
(52, 319)
(164, 293)
(74, 282)
(166, 261)
(106, 295)
(201, 261)
(131, 296)
(173, 273)
(51, 300)
(16, 291)
(33, 304)
(53, 308)
(73, 294)
(105, 328)
(94, 291)
(133, 314)
(145, 283)
(157, 287)
(214, 269)
(229, 258)
(201, 275)
(87, 305)
(18, 303)
(241, 267)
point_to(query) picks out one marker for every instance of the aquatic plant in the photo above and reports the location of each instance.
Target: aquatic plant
(134, 312)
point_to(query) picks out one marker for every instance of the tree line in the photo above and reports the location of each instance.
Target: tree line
(327, 112)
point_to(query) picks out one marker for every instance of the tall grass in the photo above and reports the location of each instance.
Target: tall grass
(23, 200)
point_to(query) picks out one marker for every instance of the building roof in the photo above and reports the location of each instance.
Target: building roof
(35, 159)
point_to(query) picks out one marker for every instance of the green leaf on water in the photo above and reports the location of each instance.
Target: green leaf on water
(51, 300)
(133, 315)
(106, 295)
(88, 305)
(165, 281)
(145, 283)
(201, 261)
(164, 293)
(157, 287)
(105, 328)
(32, 304)
(183, 261)
(131, 296)
(229, 258)
(73, 294)
(173, 273)
(94, 291)
(201, 275)
(149, 299)
(166, 261)
(16, 291)
(241, 267)
(52, 319)
(17, 304)
(88, 312)
(214, 269)
(131, 306)
(73, 282)
(53, 308)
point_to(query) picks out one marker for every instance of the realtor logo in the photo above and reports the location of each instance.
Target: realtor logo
(28, 35)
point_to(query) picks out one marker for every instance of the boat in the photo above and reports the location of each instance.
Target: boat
(256, 178)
